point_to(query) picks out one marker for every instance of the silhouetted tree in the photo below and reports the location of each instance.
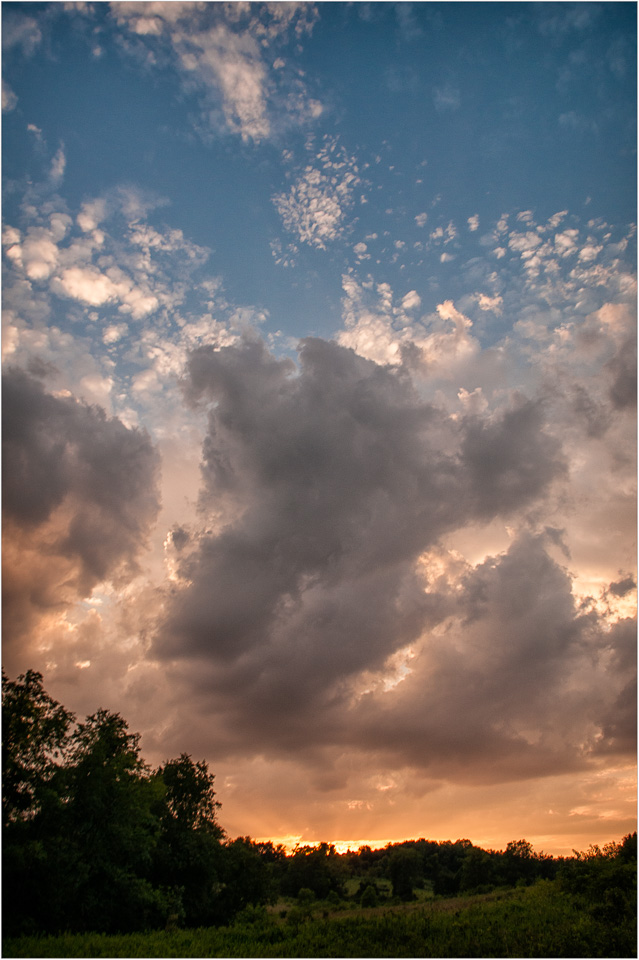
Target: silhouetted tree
(188, 859)
(404, 870)
(109, 812)
(317, 868)
(35, 735)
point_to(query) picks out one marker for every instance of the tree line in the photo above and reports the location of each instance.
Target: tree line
(96, 840)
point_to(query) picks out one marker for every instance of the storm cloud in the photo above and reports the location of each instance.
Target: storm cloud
(325, 487)
(79, 494)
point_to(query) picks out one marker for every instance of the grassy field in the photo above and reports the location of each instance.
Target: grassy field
(530, 922)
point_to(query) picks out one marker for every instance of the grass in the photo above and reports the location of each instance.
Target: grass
(534, 922)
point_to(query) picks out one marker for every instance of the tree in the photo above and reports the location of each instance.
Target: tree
(519, 862)
(35, 740)
(317, 868)
(476, 870)
(245, 877)
(520, 849)
(109, 814)
(93, 839)
(605, 881)
(188, 858)
(405, 869)
(35, 736)
(190, 797)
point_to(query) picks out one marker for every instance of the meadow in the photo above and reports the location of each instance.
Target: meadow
(537, 921)
(105, 857)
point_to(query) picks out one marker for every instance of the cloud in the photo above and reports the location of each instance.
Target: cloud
(92, 214)
(412, 300)
(322, 487)
(58, 165)
(382, 331)
(20, 31)
(9, 99)
(520, 661)
(226, 55)
(130, 266)
(490, 303)
(316, 205)
(79, 495)
(446, 98)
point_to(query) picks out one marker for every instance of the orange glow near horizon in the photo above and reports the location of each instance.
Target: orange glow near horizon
(553, 846)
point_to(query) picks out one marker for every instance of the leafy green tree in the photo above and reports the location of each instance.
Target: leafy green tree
(35, 741)
(190, 797)
(405, 870)
(318, 868)
(369, 896)
(188, 857)
(604, 882)
(35, 736)
(111, 796)
(476, 870)
(246, 879)
(520, 864)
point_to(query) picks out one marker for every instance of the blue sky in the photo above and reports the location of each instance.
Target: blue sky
(442, 196)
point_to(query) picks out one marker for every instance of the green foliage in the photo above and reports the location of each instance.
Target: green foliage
(35, 735)
(538, 921)
(604, 882)
(189, 795)
(404, 870)
(318, 868)
(188, 859)
(93, 839)
(369, 897)
(246, 879)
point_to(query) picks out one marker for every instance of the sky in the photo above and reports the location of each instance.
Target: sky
(319, 404)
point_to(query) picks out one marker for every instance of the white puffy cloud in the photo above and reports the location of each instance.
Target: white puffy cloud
(490, 303)
(411, 301)
(225, 54)
(58, 166)
(86, 284)
(319, 199)
(384, 332)
(92, 214)
(9, 99)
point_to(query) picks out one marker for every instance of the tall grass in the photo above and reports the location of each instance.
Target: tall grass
(539, 921)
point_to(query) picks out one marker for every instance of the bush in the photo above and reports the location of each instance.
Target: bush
(369, 897)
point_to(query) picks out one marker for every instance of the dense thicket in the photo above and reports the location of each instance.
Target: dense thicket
(95, 840)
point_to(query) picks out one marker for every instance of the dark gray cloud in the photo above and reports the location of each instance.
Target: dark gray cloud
(332, 474)
(509, 689)
(618, 719)
(623, 369)
(621, 587)
(78, 488)
(509, 461)
(323, 484)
